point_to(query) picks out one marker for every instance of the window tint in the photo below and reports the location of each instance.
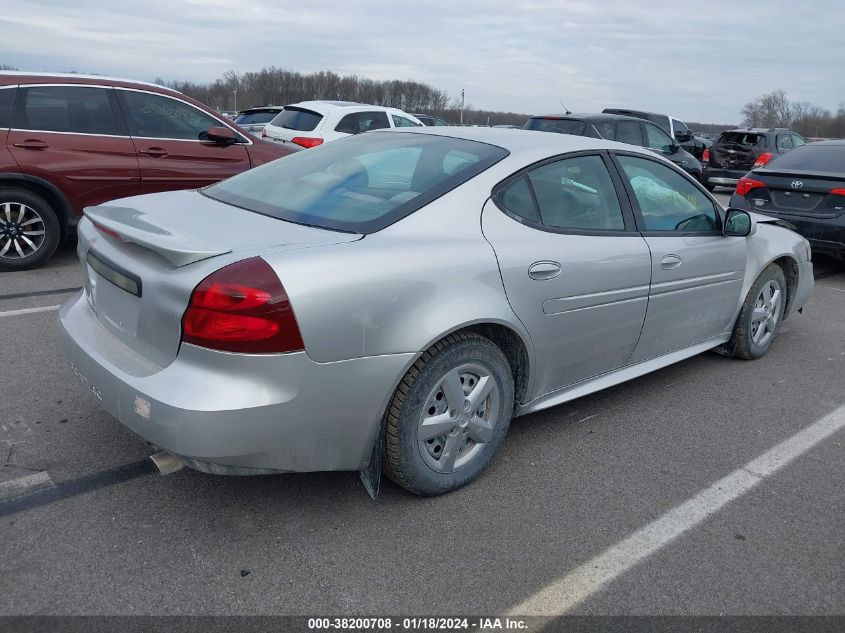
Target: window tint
(517, 199)
(359, 185)
(156, 116)
(299, 119)
(607, 129)
(7, 100)
(667, 200)
(577, 193)
(657, 139)
(629, 132)
(263, 116)
(551, 124)
(358, 122)
(400, 121)
(798, 141)
(784, 142)
(81, 109)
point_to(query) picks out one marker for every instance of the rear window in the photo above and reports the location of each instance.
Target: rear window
(748, 139)
(262, 116)
(359, 184)
(561, 126)
(812, 157)
(299, 119)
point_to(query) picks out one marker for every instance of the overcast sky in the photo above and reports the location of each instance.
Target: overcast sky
(698, 60)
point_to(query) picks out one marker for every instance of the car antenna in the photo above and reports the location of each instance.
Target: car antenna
(564, 107)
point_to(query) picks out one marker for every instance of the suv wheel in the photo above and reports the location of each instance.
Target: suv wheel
(29, 229)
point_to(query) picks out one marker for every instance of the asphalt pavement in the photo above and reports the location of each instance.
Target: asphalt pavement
(88, 528)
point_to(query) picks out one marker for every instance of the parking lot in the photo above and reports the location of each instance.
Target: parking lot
(97, 531)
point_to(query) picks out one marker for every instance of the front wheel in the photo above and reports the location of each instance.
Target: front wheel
(761, 315)
(449, 415)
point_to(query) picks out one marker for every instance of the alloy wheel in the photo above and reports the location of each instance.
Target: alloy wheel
(22, 230)
(766, 313)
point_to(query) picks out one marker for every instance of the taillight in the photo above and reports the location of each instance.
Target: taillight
(106, 230)
(307, 141)
(242, 307)
(837, 192)
(705, 156)
(763, 159)
(746, 184)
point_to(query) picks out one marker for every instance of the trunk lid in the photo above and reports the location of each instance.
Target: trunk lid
(797, 193)
(143, 256)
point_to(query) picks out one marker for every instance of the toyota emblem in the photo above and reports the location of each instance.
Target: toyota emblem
(797, 184)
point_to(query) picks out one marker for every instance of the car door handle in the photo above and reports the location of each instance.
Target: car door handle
(671, 262)
(32, 143)
(544, 270)
(154, 152)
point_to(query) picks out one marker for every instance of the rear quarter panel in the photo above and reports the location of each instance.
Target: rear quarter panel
(401, 289)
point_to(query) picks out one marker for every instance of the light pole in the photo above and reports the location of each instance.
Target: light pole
(462, 106)
(235, 92)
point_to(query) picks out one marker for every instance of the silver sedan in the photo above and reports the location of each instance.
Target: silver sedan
(388, 302)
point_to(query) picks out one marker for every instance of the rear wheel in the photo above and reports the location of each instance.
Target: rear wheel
(449, 415)
(761, 314)
(29, 229)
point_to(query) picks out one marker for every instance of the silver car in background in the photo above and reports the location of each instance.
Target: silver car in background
(388, 302)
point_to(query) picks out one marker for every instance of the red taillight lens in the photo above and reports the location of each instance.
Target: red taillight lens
(242, 308)
(705, 156)
(105, 230)
(306, 141)
(763, 159)
(837, 192)
(746, 184)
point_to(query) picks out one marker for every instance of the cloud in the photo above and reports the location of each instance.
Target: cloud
(697, 62)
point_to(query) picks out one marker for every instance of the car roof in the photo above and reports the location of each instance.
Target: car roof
(589, 116)
(525, 144)
(31, 77)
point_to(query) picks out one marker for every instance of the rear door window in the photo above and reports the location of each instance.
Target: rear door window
(358, 122)
(607, 129)
(77, 109)
(299, 119)
(157, 116)
(629, 132)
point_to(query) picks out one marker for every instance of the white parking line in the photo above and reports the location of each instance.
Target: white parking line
(568, 591)
(15, 487)
(28, 311)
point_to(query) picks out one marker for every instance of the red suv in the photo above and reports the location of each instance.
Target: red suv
(70, 141)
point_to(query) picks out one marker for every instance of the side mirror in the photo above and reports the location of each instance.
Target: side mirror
(738, 223)
(220, 135)
(673, 148)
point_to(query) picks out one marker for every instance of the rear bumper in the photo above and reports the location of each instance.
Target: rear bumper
(722, 177)
(236, 413)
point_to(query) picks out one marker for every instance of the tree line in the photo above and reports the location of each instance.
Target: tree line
(276, 86)
(776, 110)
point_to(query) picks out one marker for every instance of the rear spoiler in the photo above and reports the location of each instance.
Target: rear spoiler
(133, 226)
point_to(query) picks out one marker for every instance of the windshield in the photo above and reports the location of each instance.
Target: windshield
(550, 124)
(262, 116)
(359, 184)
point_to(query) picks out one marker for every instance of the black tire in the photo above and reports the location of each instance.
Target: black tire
(403, 459)
(52, 229)
(742, 340)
